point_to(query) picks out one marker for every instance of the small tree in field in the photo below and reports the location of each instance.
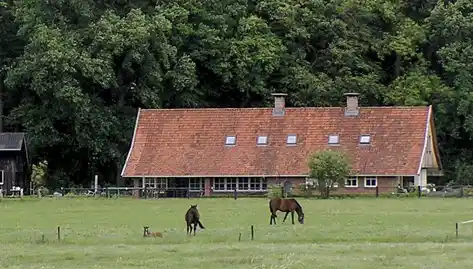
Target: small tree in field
(328, 168)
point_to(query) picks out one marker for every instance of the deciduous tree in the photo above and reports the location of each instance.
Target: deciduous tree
(328, 169)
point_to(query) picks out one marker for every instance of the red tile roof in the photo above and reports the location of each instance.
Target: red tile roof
(191, 142)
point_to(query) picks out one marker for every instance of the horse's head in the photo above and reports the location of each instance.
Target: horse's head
(194, 206)
(301, 218)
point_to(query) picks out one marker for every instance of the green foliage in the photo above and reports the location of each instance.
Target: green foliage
(328, 168)
(38, 175)
(73, 73)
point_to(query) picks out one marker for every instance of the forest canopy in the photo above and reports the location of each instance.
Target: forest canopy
(74, 72)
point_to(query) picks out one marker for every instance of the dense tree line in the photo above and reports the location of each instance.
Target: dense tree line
(74, 72)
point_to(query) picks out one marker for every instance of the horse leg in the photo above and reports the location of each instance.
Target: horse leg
(287, 213)
(272, 218)
(292, 216)
(195, 227)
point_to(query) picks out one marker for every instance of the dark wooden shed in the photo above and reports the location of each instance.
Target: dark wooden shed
(14, 163)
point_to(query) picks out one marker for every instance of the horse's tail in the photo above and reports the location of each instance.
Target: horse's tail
(200, 224)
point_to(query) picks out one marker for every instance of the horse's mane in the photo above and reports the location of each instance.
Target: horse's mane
(297, 203)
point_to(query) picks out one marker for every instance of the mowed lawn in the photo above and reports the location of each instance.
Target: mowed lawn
(349, 233)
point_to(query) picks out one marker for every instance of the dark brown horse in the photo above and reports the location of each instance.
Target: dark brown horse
(285, 205)
(193, 217)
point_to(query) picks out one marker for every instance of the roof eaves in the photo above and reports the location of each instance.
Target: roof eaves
(132, 142)
(263, 176)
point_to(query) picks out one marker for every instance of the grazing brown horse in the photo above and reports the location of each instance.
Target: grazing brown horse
(285, 205)
(193, 217)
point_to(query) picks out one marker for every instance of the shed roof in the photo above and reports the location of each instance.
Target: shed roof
(11, 141)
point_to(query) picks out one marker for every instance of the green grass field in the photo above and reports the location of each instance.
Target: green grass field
(350, 233)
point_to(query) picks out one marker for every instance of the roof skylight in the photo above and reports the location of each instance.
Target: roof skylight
(291, 139)
(365, 139)
(262, 140)
(333, 139)
(230, 140)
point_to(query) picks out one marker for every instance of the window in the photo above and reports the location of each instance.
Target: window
(262, 140)
(230, 140)
(195, 184)
(371, 182)
(291, 139)
(2, 175)
(365, 139)
(255, 184)
(156, 183)
(231, 184)
(241, 184)
(219, 184)
(351, 182)
(333, 139)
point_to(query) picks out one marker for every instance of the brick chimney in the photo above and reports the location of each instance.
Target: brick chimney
(279, 104)
(352, 108)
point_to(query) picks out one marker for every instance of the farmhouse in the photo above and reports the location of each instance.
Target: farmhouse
(14, 168)
(215, 150)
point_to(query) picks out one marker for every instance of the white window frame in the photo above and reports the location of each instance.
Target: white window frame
(262, 140)
(230, 140)
(333, 139)
(365, 139)
(156, 183)
(196, 184)
(291, 139)
(241, 186)
(231, 183)
(255, 184)
(2, 179)
(371, 178)
(351, 186)
(222, 183)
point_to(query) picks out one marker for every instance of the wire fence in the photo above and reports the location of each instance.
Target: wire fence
(275, 190)
(431, 190)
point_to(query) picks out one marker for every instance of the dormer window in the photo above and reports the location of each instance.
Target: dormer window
(333, 139)
(230, 140)
(262, 140)
(291, 139)
(365, 139)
